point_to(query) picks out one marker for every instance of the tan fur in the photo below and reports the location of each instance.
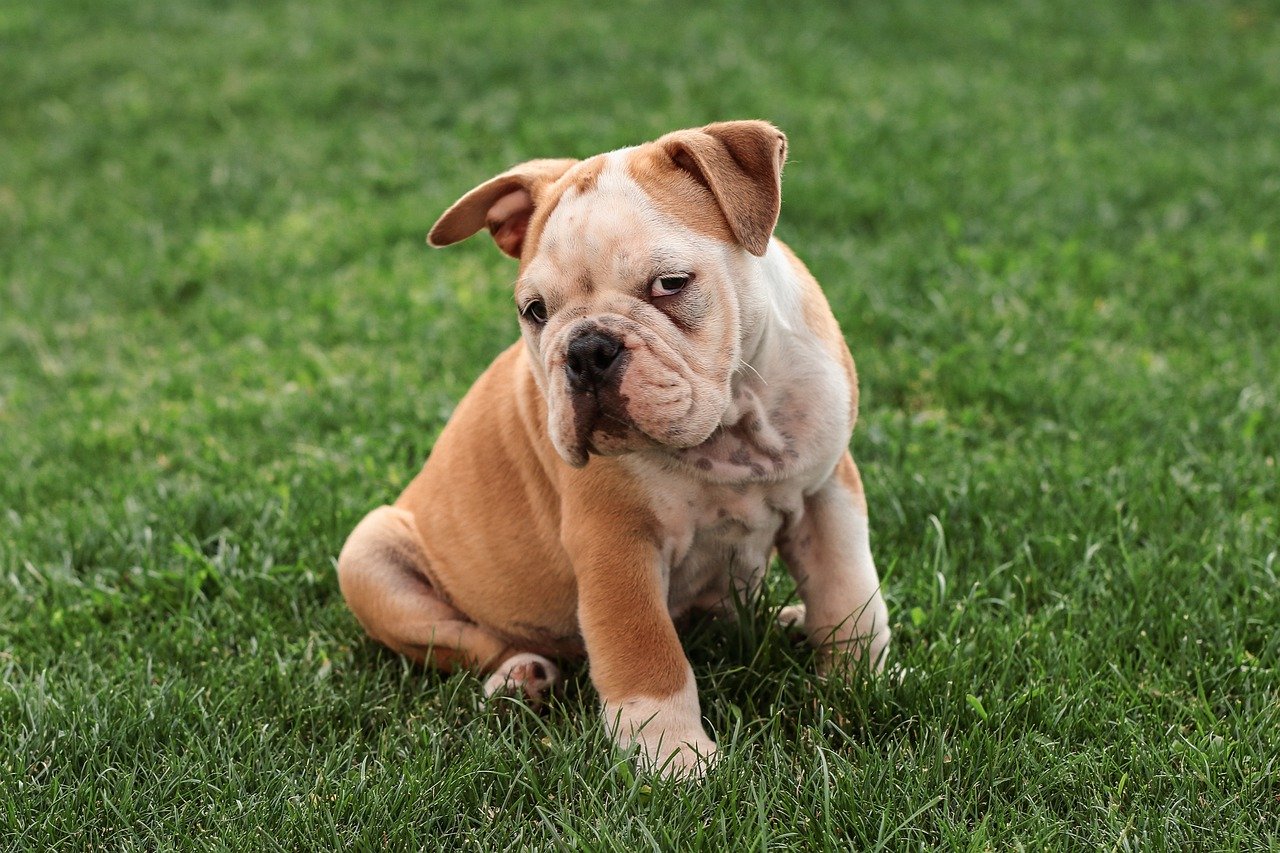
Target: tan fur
(818, 317)
(528, 182)
(549, 521)
(386, 580)
(849, 476)
(613, 543)
(723, 180)
(678, 193)
(741, 163)
(487, 496)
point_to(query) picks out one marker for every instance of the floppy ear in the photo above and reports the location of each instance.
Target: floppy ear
(741, 163)
(504, 204)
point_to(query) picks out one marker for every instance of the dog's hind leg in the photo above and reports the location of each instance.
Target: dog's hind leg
(828, 552)
(383, 574)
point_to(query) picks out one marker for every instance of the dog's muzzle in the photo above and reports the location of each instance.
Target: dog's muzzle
(593, 361)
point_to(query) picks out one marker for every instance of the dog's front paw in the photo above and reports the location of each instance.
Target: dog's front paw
(667, 733)
(524, 674)
(689, 759)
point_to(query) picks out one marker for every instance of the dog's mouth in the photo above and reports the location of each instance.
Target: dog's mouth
(603, 426)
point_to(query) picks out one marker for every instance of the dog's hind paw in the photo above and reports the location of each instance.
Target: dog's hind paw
(791, 616)
(524, 674)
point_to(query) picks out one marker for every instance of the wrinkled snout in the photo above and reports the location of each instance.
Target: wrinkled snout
(617, 385)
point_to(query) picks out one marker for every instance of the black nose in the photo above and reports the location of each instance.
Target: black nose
(592, 360)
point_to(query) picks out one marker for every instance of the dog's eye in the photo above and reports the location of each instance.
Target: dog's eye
(535, 311)
(668, 285)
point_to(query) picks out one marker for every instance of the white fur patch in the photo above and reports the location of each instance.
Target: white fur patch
(846, 611)
(524, 673)
(782, 288)
(667, 730)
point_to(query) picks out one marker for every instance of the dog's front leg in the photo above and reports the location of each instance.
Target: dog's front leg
(828, 552)
(638, 666)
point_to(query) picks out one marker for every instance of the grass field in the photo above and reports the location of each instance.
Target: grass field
(1050, 232)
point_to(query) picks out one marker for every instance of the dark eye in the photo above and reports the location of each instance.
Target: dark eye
(535, 312)
(668, 285)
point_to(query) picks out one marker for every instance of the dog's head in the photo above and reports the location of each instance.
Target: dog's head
(634, 290)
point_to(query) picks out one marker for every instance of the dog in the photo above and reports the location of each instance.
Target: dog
(679, 405)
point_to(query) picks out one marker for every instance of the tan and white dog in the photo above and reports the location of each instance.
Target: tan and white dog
(680, 405)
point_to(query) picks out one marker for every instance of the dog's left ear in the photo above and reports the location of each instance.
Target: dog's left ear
(741, 163)
(504, 204)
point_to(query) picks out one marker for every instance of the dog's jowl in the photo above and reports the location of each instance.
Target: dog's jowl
(679, 406)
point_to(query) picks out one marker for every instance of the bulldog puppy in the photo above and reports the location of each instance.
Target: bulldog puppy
(679, 405)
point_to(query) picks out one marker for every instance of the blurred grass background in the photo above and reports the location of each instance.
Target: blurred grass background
(1050, 233)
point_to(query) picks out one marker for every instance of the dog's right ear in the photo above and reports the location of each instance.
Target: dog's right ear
(504, 204)
(740, 162)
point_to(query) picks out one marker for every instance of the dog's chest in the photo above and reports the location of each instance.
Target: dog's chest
(726, 537)
(721, 505)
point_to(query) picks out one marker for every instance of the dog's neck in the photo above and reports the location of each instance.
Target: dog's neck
(770, 310)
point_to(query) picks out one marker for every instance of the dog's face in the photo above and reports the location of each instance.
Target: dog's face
(631, 286)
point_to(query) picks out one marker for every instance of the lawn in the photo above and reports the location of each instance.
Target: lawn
(1050, 232)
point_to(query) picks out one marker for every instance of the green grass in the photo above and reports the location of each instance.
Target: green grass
(1050, 231)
